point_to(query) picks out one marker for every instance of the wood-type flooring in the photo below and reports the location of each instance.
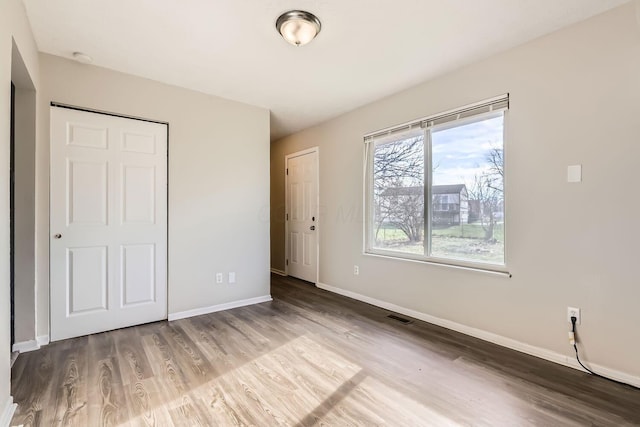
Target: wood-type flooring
(307, 358)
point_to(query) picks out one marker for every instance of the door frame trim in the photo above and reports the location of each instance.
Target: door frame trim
(123, 116)
(108, 113)
(311, 150)
(12, 216)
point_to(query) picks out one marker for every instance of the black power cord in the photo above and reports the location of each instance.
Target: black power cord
(575, 347)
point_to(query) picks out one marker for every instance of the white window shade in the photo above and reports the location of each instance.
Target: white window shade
(397, 133)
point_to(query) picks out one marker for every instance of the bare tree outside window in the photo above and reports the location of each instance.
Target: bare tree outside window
(398, 187)
(488, 190)
(471, 156)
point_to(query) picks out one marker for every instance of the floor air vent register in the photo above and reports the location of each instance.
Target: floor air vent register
(402, 320)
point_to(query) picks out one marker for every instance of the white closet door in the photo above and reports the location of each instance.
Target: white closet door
(108, 222)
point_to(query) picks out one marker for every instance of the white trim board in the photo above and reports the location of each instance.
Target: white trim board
(278, 272)
(42, 340)
(7, 412)
(25, 346)
(529, 349)
(31, 345)
(218, 307)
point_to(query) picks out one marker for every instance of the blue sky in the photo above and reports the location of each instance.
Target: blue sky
(460, 153)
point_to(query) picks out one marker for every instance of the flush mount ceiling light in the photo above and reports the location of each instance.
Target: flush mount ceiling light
(298, 27)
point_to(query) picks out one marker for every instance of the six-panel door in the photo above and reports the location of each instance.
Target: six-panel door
(302, 210)
(108, 222)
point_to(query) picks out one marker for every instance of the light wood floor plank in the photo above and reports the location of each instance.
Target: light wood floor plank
(308, 358)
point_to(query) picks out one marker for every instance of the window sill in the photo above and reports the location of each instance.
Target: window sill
(494, 270)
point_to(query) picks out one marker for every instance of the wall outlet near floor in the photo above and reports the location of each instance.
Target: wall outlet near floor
(232, 277)
(356, 270)
(218, 278)
(573, 312)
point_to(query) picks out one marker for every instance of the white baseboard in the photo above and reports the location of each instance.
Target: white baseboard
(7, 412)
(278, 272)
(31, 345)
(219, 307)
(532, 350)
(25, 346)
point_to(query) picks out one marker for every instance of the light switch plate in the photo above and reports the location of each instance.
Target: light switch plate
(574, 173)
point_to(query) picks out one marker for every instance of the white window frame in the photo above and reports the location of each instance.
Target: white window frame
(429, 126)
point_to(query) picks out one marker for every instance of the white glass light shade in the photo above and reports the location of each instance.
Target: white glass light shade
(298, 27)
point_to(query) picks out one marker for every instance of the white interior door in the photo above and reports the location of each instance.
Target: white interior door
(302, 215)
(108, 222)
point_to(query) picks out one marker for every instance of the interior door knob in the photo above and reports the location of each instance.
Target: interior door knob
(57, 236)
(313, 227)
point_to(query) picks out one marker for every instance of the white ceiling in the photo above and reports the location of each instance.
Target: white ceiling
(367, 49)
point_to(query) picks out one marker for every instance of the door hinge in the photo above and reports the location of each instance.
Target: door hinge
(287, 262)
(287, 217)
(287, 171)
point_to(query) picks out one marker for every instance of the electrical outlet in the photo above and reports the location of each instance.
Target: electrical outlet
(573, 312)
(356, 270)
(218, 278)
(232, 277)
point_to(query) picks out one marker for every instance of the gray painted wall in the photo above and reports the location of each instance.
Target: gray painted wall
(574, 100)
(218, 180)
(25, 208)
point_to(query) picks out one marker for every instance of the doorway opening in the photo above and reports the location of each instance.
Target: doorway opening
(22, 208)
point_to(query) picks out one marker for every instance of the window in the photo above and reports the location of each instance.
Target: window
(454, 162)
